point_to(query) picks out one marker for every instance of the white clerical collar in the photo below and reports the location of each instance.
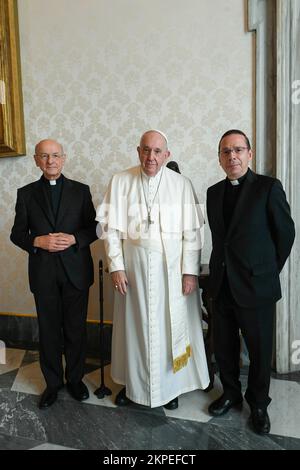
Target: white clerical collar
(52, 182)
(155, 177)
(234, 182)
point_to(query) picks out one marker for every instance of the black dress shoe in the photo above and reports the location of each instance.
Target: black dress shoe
(222, 405)
(260, 420)
(78, 391)
(48, 397)
(172, 405)
(121, 399)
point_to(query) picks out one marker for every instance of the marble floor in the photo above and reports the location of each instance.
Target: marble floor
(99, 424)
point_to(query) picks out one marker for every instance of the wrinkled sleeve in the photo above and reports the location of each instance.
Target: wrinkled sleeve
(281, 223)
(191, 252)
(114, 251)
(20, 233)
(108, 215)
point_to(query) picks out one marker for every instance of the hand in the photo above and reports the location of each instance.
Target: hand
(120, 281)
(54, 241)
(189, 283)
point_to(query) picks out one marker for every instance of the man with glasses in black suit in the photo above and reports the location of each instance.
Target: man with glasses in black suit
(55, 224)
(252, 236)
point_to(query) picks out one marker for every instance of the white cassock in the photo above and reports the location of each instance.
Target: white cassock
(157, 345)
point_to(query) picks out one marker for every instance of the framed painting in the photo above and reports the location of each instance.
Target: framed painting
(12, 135)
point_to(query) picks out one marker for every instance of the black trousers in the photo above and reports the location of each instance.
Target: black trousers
(256, 326)
(62, 328)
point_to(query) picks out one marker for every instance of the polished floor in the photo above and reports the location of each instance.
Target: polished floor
(99, 424)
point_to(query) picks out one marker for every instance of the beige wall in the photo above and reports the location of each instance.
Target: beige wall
(97, 73)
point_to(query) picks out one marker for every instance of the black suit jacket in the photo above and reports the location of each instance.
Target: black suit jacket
(76, 215)
(257, 243)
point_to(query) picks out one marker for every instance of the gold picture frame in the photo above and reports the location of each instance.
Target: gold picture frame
(12, 134)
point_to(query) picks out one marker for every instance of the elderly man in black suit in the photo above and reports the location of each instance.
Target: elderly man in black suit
(252, 236)
(55, 224)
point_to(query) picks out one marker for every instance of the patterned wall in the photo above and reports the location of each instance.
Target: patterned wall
(97, 73)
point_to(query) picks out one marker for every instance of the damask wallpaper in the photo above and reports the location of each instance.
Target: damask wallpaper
(97, 73)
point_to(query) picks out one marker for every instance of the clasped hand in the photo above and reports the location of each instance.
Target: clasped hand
(54, 241)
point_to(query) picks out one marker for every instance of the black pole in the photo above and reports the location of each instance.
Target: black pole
(102, 390)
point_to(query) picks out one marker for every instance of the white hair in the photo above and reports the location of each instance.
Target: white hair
(159, 132)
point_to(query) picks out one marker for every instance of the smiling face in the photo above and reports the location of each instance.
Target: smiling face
(152, 152)
(50, 158)
(234, 156)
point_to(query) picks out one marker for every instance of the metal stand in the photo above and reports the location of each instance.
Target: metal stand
(102, 391)
(207, 313)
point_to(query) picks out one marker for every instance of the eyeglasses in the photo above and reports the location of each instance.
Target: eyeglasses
(237, 150)
(45, 156)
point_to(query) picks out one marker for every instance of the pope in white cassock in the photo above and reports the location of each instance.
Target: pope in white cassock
(151, 229)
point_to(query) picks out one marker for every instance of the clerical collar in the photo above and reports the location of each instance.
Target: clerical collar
(239, 180)
(53, 182)
(157, 176)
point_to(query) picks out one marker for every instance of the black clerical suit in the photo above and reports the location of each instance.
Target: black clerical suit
(252, 236)
(60, 281)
